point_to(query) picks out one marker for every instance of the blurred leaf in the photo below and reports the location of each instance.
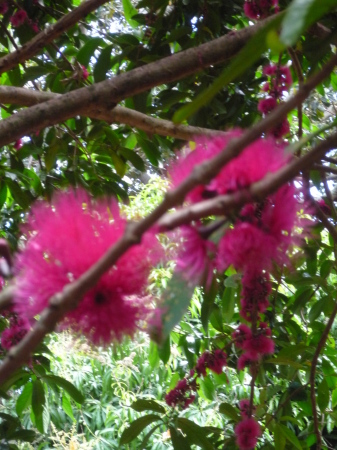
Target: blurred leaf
(300, 15)
(38, 402)
(103, 64)
(66, 406)
(195, 434)
(25, 398)
(147, 405)
(323, 395)
(175, 301)
(66, 385)
(137, 427)
(246, 57)
(230, 411)
(129, 11)
(179, 442)
(290, 436)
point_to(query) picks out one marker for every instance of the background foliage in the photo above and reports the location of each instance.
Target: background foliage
(74, 396)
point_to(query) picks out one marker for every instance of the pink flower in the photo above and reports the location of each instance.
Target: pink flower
(181, 395)
(214, 361)
(259, 9)
(257, 160)
(247, 432)
(85, 73)
(241, 335)
(261, 344)
(3, 8)
(65, 240)
(269, 226)
(246, 359)
(13, 335)
(195, 256)
(244, 406)
(34, 26)
(281, 130)
(18, 18)
(18, 144)
(266, 105)
(255, 290)
(324, 207)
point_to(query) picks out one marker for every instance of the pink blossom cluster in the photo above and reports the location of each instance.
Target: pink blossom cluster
(254, 344)
(19, 17)
(18, 327)
(65, 239)
(280, 80)
(247, 432)
(182, 395)
(260, 9)
(269, 224)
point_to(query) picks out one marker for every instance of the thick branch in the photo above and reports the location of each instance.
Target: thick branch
(25, 97)
(106, 94)
(46, 36)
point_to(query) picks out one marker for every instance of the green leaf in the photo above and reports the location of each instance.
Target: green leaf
(24, 399)
(228, 304)
(229, 411)
(290, 436)
(86, 52)
(132, 156)
(208, 303)
(23, 435)
(150, 150)
(175, 301)
(164, 350)
(137, 427)
(38, 402)
(67, 408)
(66, 385)
(246, 57)
(284, 362)
(179, 441)
(300, 15)
(207, 388)
(103, 64)
(334, 398)
(195, 434)
(279, 438)
(147, 405)
(323, 395)
(129, 11)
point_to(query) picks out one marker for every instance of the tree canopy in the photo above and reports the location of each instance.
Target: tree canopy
(167, 195)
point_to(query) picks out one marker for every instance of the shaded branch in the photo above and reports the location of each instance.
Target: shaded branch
(106, 94)
(25, 97)
(46, 36)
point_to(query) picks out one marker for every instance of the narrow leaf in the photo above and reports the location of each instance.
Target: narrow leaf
(147, 405)
(300, 15)
(137, 427)
(230, 411)
(179, 442)
(247, 56)
(290, 436)
(323, 395)
(195, 434)
(176, 299)
(129, 11)
(66, 385)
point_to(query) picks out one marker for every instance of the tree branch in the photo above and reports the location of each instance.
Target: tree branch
(46, 36)
(256, 192)
(106, 94)
(25, 97)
